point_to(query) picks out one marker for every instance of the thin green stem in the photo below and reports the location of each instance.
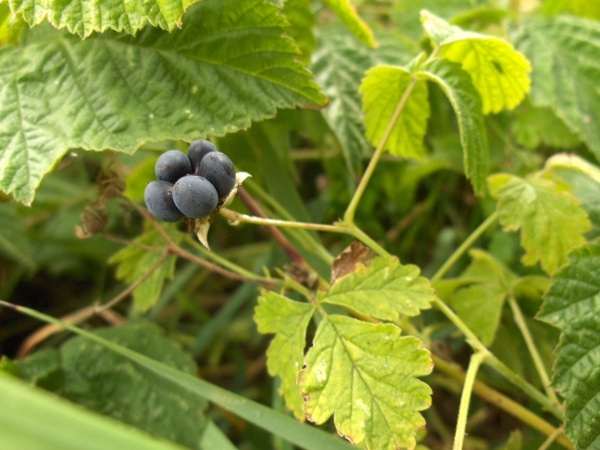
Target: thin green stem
(351, 210)
(537, 360)
(464, 247)
(465, 399)
(237, 217)
(366, 239)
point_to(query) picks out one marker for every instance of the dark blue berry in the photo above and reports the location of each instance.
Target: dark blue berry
(160, 202)
(217, 168)
(195, 196)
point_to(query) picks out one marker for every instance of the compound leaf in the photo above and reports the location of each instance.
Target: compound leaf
(551, 220)
(572, 304)
(383, 289)
(383, 89)
(109, 383)
(564, 54)
(230, 65)
(288, 320)
(466, 102)
(85, 16)
(347, 13)
(135, 262)
(498, 71)
(365, 375)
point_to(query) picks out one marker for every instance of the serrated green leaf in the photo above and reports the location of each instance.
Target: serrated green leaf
(231, 64)
(572, 304)
(467, 105)
(564, 54)
(551, 220)
(288, 320)
(107, 382)
(83, 17)
(540, 126)
(346, 12)
(498, 71)
(135, 262)
(384, 289)
(382, 89)
(365, 375)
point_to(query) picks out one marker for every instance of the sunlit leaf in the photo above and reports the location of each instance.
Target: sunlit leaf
(347, 13)
(572, 304)
(230, 65)
(382, 89)
(466, 102)
(364, 375)
(383, 288)
(288, 320)
(85, 16)
(550, 218)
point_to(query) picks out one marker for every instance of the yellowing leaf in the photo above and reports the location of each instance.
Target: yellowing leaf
(499, 72)
(347, 13)
(364, 374)
(551, 220)
(382, 90)
(383, 289)
(285, 357)
(85, 16)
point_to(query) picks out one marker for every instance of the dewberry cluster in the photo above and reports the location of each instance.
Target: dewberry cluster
(189, 185)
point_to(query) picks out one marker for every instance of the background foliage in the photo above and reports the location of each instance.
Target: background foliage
(458, 141)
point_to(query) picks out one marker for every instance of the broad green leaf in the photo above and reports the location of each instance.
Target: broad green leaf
(365, 375)
(42, 368)
(31, 418)
(383, 89)
(288, 320)
(339, 65)
(480, 303)
(564, 54)
(230, 65)
(384, 289)
(498, 71)
(467, 105)
(572, 304)
(83, 17)
(540, 126)
(347, 13)
(279, 424)
(106, 382)
(551, 220)
(135, 262)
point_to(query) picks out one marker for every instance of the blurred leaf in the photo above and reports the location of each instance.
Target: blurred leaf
(571, 304)
(288, 320)
(382, 89)
(134, 263)
(382, 288)
(540, 126)
(583, 8)
(365, 375)
(85, 16)
(564, 54)
(109, 383)
(303, 22)
(31, 418)
(14, 242)
(551, 220)
(467, 105)
(347, 13)
(42, 368)
(479, 304)
(498, 71)
(229, 65)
